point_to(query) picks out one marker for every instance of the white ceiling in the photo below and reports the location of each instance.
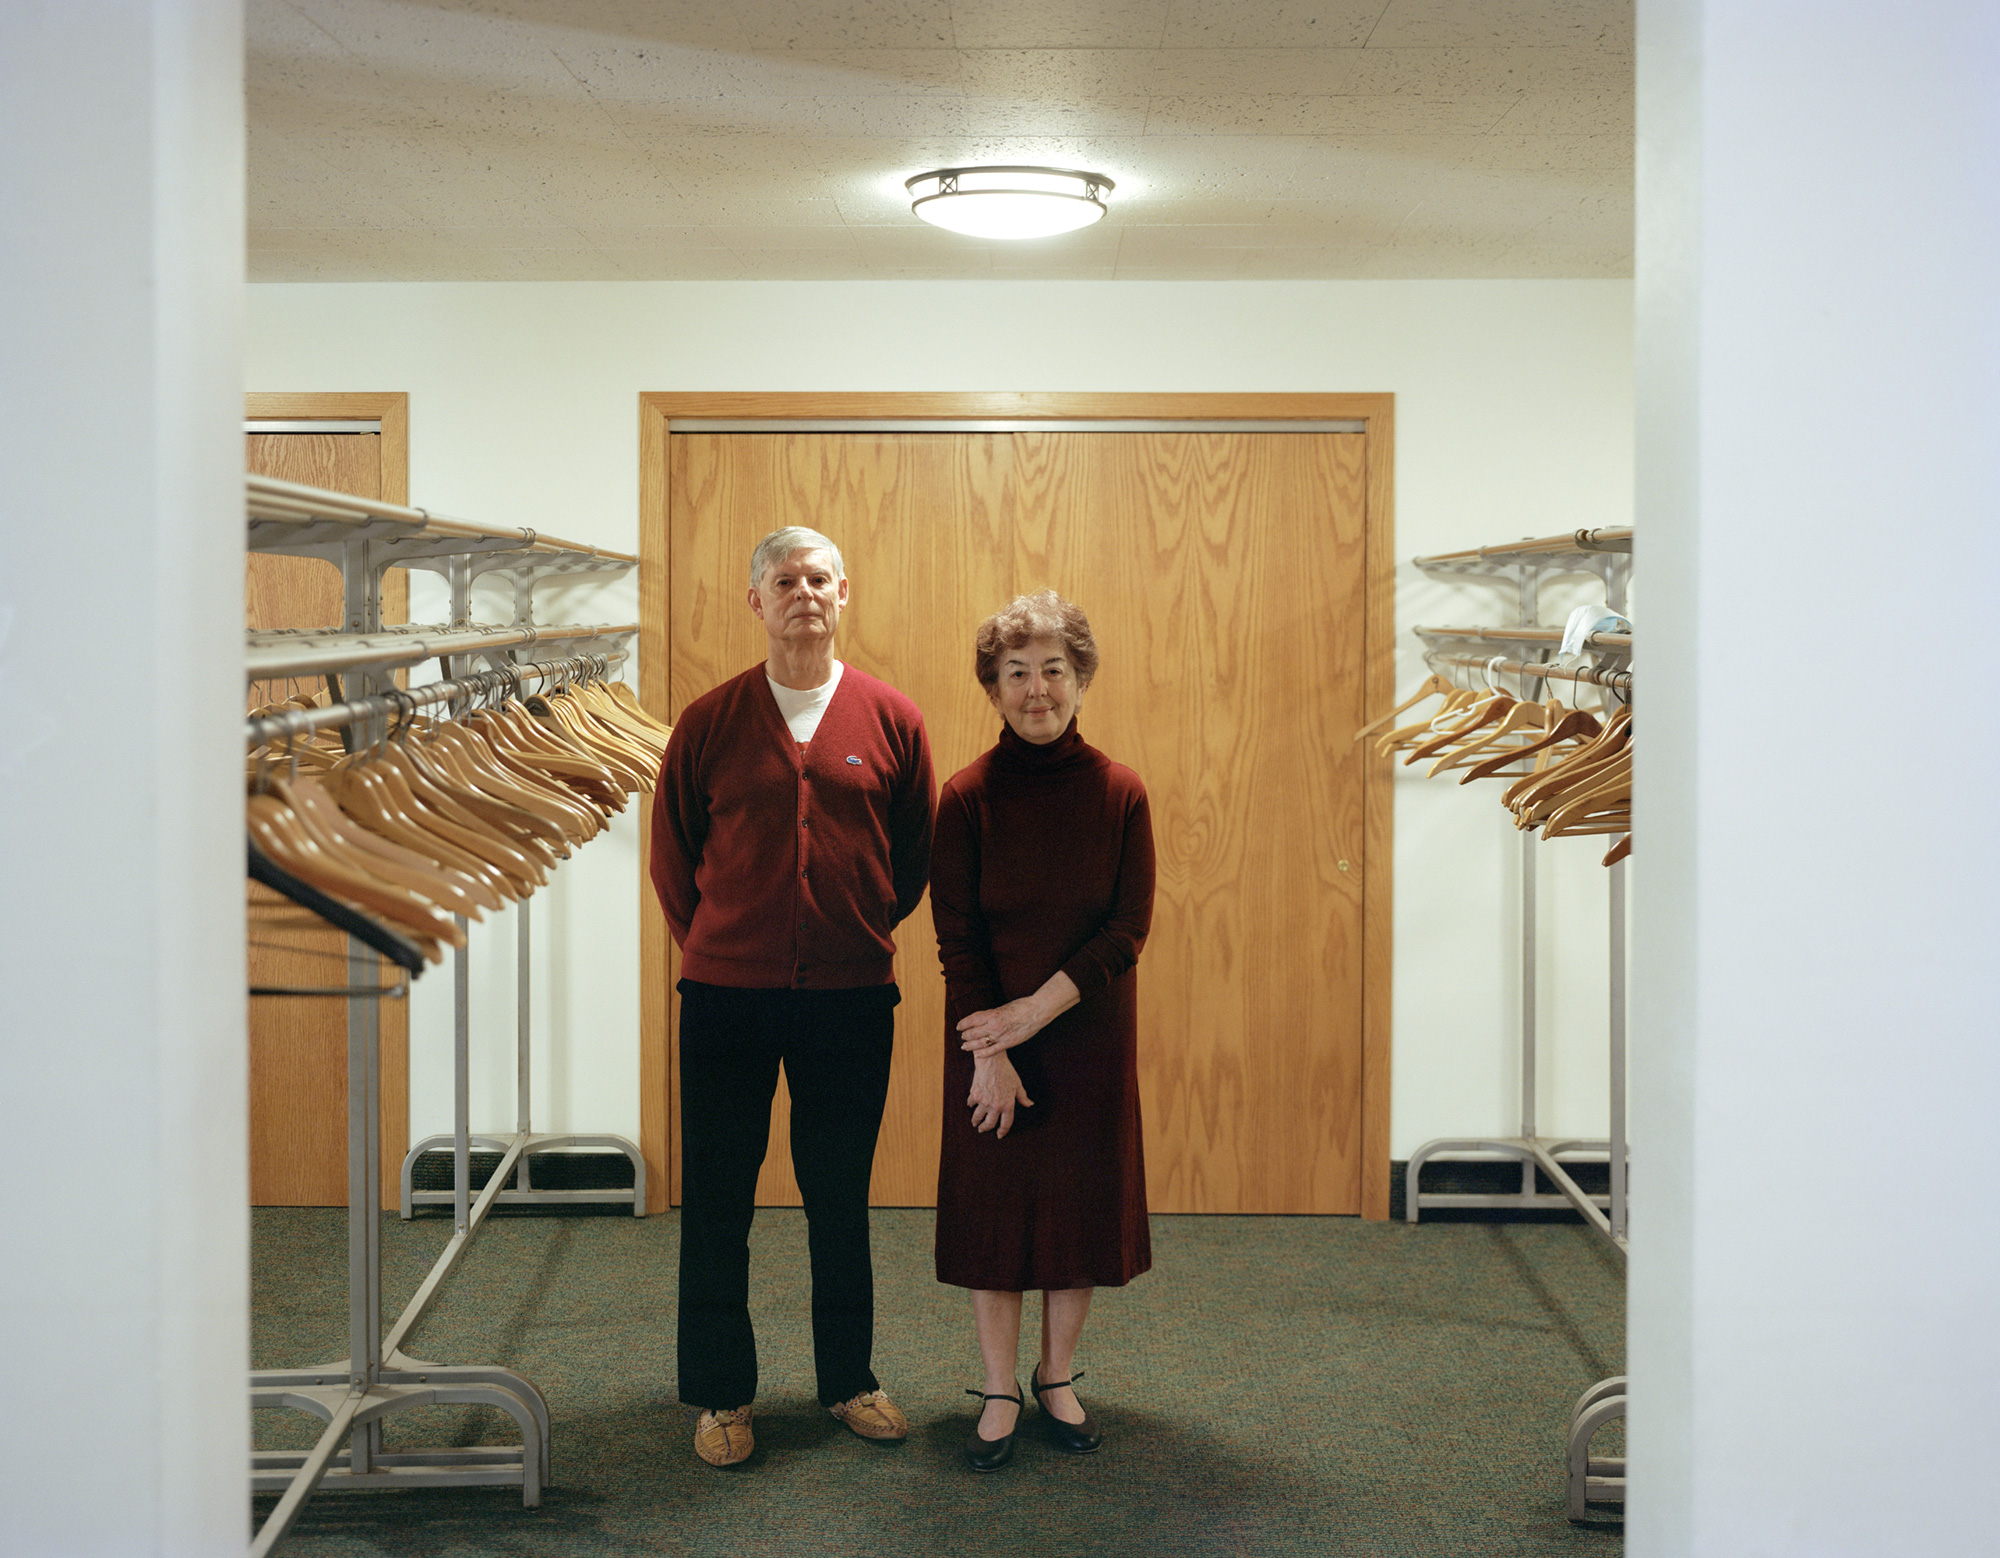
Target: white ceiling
(434, 140)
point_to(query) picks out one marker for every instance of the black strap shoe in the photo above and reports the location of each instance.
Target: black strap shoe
(992, 1454)
(1070, 1438)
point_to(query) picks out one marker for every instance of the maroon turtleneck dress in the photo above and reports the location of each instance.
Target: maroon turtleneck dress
(1043, 860)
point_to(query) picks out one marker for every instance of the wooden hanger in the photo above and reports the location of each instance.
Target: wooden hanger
(637, 762)
(1522, 716)
(532, 822)
(413, 786)
(1495, 708)
(619, 693)
(1434, 685)
(1456, 702)
(281, 836)
(372, 853)
(625, 713)
(378, 797)
(489, 774)
(1575, 726)
(1606, 744)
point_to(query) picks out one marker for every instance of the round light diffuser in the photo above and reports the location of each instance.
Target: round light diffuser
(1009, 201)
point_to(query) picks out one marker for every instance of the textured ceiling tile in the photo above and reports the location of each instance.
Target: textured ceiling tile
(909, 118)
(1210, 72)
(1300, 114)
(1536, 23)
(1570, 114)
(637, 72)
(431, 46)
(788, 235)
(275, 31)
(712, 23)
(1603, 153)
(635, 237)
(1059, 73)
(508, 123)
(730, 212)
(1455, 72)
(1275, 24)
(851, 24)
(893, 72)
(655, 72)
(1058, 24)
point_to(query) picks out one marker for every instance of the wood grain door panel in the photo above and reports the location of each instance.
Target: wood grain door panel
(1224, 575)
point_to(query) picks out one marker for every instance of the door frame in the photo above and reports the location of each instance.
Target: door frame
(392, 409)
(657, 411)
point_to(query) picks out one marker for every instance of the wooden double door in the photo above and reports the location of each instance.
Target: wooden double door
(1224, 574)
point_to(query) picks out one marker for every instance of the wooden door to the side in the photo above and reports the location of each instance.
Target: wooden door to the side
(1224, 576)
(298, 1044)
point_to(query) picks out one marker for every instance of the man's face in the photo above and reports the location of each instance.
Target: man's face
(799, 600)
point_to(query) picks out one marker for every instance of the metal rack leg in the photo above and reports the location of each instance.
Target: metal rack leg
(1528, 994)
(1595, 1480)
(523, 1030)
(1618, 1162)
(356, 1394)
(461, 1092)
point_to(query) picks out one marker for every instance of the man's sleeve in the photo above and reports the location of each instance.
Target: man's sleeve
(912, 821)
(680, 827)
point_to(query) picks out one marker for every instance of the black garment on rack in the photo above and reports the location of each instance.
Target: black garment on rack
(385, 941)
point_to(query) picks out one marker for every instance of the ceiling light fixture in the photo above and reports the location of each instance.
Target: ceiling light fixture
(1008, 201)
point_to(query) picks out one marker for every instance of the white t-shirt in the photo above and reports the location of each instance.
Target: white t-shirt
(802, 710)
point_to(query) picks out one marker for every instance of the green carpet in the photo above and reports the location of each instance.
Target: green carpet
(1274, 1386)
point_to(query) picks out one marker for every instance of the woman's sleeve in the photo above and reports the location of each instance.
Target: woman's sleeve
(971, 982)
(1115, 947)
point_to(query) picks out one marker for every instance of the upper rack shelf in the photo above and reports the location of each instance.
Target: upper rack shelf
(1581, 551)
(286, 516)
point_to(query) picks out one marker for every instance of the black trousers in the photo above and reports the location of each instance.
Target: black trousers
(835, 1047)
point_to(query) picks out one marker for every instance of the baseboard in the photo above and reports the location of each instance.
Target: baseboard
(1490, 1178)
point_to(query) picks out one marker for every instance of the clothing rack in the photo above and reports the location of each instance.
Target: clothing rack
(1606, 554)
(377, 1378)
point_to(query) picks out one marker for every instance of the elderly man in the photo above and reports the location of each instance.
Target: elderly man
(791, 834)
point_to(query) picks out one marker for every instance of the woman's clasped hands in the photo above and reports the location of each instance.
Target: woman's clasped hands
(996, 1093)
(988, 1035)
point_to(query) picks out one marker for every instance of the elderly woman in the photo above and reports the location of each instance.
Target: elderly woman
(1042, 892)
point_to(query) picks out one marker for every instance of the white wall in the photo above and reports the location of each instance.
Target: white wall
(1816, 1046)
(1514, 418)
(123, 1236)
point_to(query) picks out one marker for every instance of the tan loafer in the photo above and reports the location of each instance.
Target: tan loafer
(724, 1438)
(873, 1416)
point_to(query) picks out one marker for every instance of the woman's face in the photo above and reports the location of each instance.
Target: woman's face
(1037, 693)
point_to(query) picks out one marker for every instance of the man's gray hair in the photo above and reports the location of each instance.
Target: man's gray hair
(780, 544)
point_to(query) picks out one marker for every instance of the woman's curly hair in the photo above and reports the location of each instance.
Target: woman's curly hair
(1025, 618)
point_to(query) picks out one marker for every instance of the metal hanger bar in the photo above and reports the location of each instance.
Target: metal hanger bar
(263, 729)
(272, 658)
(312, 425)
(1000, 425)
(1617, 681)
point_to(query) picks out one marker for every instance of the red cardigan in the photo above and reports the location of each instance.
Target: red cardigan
(781, 866)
